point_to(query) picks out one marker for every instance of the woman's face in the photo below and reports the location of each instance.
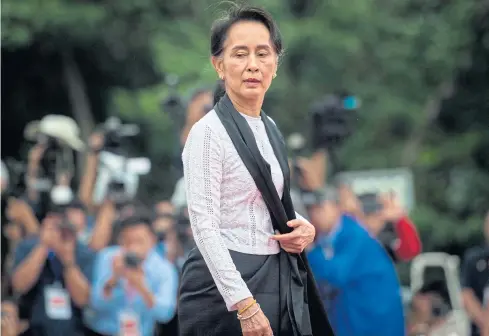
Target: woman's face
(248, 61)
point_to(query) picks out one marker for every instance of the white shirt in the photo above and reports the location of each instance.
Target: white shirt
(226, 209)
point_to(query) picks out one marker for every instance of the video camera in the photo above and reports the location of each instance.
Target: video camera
(118, 176)
(115, 133)
(332, 120)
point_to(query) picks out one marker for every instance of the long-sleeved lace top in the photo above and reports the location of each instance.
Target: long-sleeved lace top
(226, 209)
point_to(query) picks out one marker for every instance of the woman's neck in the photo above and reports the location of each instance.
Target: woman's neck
(251, 108)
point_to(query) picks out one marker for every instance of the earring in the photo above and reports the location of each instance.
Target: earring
(221, 77)
(274, 75)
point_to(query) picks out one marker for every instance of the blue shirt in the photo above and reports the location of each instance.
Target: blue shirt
(160, 248)
(51, 273)
(161, 278)
(358, 283)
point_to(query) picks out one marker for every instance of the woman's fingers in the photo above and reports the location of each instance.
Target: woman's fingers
(294, 246)
(292, 249)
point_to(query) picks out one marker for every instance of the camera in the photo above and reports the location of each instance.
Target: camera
(332, 119)
(118, 176)
(116, 192)
(132, 260)
(58, 135)
(67, 229)
(370, 203)
(49, 161)
(115, 132)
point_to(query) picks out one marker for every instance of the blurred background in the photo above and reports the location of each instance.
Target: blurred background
(394, 93)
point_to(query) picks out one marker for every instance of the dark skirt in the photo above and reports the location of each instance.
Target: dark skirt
(201, 308)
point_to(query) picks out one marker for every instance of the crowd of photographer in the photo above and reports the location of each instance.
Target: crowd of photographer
(103, 263)
(71, 266)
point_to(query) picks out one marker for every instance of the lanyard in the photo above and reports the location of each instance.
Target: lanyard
(130, 294)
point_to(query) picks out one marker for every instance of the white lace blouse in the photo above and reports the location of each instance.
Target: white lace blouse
(226, 209)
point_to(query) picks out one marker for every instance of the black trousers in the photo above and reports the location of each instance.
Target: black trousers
(201, 308)
(167, 329)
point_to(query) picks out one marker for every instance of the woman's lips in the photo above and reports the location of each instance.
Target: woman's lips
(252, 83)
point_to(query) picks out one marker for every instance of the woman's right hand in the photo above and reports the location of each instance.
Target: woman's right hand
(256, 325)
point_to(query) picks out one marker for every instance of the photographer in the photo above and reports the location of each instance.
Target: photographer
(133, 286)
(385, 219)
(52, 275)
(55, 137)
(431, 313)
(475, 284)
(357, 279)
(103, 187)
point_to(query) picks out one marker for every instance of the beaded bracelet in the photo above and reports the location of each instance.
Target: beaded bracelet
(241, 317)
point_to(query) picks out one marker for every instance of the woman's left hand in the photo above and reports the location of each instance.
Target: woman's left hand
(297, 240)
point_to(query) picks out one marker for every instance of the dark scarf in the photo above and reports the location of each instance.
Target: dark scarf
(303, 290)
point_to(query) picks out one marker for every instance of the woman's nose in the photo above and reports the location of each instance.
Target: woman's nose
(252, 64)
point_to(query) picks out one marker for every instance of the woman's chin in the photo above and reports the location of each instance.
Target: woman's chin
(252, 94)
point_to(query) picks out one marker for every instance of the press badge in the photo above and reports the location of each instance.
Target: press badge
(57, 303)
(128, 324)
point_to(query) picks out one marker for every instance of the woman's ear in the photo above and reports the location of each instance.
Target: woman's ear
(218, 64)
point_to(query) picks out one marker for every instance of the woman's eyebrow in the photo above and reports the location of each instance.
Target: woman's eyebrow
(260, 46)
(239, 47)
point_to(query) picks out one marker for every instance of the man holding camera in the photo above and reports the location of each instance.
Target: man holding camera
(133, 286)
(358, 280)
(431, 313)
(52, 275)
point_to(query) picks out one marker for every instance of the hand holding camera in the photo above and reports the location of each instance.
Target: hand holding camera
(349, 202)
(60, 237)
(128, 265)
(65, 247)
(50, 235)
(392, 209)
(133, 271)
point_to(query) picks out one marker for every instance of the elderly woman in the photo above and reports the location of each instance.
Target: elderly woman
(248, 274)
